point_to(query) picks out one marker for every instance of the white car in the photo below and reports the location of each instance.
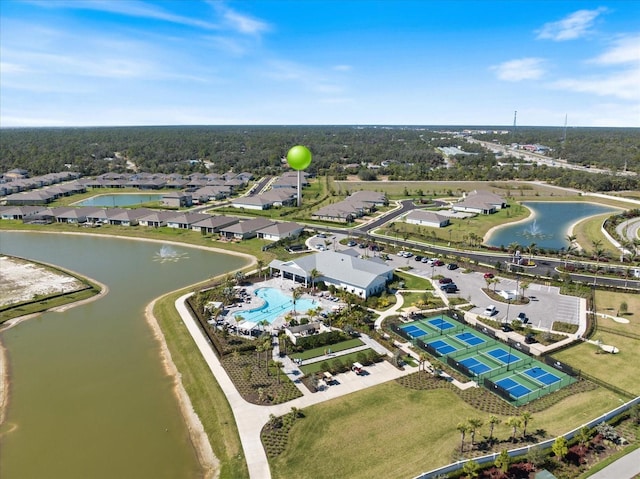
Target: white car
(490, 311)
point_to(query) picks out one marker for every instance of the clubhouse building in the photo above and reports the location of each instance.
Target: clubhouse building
(362, 277)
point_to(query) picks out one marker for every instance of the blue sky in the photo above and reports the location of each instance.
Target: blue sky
(121, 62)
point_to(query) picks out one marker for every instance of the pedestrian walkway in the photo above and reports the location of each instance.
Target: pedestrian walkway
(250, 418)
(626, 467)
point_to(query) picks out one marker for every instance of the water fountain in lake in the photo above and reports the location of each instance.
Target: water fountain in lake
(533, 231)
(168, 255)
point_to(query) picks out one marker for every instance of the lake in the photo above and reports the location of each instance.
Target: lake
(89, 396)
(549, 224)
(125, 199)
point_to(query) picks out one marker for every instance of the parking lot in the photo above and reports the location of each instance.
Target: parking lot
(546, 304)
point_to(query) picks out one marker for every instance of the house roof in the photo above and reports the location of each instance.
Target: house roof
(248, 226)
(281, 228)
(218, 221)
(337, 266)
(422, 215)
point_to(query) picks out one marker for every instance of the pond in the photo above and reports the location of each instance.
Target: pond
(124, 199)
(89, 395)
(549, 224)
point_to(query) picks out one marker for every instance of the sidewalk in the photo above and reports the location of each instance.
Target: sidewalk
(626, 467)
(250, 418)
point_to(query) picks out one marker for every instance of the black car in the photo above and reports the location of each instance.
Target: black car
(449, 288)
(418, 258)
(506, 328)
(452, 266)
(530, 339)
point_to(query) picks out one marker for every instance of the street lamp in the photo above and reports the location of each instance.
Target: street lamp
(506, 319)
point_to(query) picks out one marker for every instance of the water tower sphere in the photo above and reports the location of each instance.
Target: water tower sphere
(299, 157)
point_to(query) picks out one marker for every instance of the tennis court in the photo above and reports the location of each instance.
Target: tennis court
(470, 338)
(514, 388)
(504, 356)
(441, 324)
(542, 376)
(442, 347)
(413, 330)
(476, 366)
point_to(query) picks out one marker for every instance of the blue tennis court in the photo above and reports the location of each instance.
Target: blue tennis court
(442, 347)
(542, 376)
(476, 366)
(470, 338)
(503, 356)
(413, 331)
(516, 389)
(441, 324)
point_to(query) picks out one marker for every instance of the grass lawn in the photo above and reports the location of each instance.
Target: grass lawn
(414, 282)
(208, 400)
(609, 302)
(314, 353)
(397, 432)
(620, 369)
(589, 230)
(45, 304)
(345, 359)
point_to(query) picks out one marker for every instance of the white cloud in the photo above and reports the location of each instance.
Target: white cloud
(571, 27)
(239, 22)
(129, 8)
(8, 67)
(520, 69)
(625, 84)
(342, 68)
(626, 50)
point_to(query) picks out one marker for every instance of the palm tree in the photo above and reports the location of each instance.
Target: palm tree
(599, 253)
(493, 422)
(512, 248)
(514, 423)
(526, 417)
(571, 239)
(523, 286)
(260, 265)
(239, 277)
(474, 425)
(315, 274)
(423, 358)
(531, 249)
(462, 428)
(295, 293)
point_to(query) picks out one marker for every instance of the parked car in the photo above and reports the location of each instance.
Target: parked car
(418, 258)
(523, 317)
(445, 281)
(321, 235)
(490, 310)
(425, 259)
(362, 246)
(351, 243)
(407, 254)
(449, 288)
(452, 266)
(438, 263)
(506, 328)
(488, 275)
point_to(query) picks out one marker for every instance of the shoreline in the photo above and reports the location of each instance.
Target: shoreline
(209, 462)
(200, 442)
(493, 229)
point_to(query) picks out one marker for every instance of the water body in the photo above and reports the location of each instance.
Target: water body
(125, 199)
(549, 224)
(89, 396)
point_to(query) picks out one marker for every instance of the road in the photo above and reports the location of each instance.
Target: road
(544, 267)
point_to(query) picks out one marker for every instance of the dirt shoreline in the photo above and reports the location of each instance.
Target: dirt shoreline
(209, 462)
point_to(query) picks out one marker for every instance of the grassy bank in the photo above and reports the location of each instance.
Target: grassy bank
(207, 398)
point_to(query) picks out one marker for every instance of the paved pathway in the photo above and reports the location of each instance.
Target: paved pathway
(250, 418)
(626, 467)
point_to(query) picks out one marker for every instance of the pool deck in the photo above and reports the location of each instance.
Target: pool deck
(252, 302)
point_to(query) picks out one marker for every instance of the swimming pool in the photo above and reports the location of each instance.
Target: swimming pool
(276, 303)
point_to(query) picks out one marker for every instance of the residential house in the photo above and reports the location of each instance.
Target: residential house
(427, 218)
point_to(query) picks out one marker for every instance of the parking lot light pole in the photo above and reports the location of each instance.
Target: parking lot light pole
(506, 319)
